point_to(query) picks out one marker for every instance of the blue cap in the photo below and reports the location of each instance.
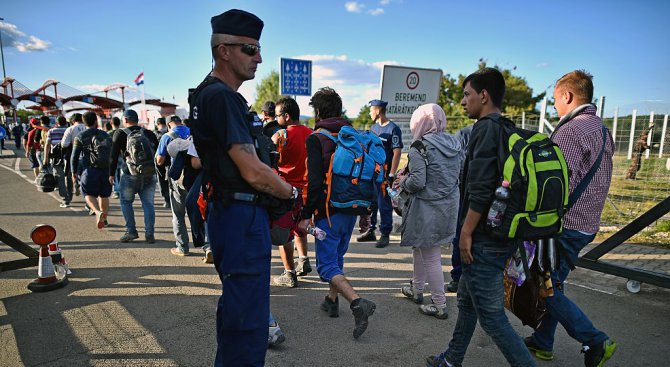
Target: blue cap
(378, 102)
(238, 23)
(131, 115)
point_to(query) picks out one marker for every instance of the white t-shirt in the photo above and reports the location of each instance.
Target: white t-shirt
(71, 133)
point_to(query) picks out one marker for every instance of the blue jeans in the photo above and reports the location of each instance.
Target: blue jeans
(481, 297)
(456, 269)
(563, 310)
(240, 240)
(117, 175)
(178, 205)
(145, 187)
(385, 213)
(59, 174)
(330, 251)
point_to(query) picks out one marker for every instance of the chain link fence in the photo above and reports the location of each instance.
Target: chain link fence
(628, 197)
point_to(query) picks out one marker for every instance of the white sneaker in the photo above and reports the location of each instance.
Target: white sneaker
(275, 336)
(209, 257)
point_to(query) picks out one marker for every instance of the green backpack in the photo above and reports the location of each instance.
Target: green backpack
(538, 176)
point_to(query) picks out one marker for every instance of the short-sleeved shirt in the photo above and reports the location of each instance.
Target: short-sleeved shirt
(71, 133)
(179, 131)
(293, 154)
(391, 136)
(55, 135)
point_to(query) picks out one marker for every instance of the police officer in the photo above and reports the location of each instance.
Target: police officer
(226, 136)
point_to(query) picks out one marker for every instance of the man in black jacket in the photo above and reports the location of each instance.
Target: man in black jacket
(481, 294)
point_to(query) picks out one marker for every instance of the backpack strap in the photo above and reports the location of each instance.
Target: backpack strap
(579, 190)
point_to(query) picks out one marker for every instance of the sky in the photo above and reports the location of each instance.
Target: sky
(91, 44)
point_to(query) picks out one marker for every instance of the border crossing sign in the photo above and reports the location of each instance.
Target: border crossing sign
(295, 77)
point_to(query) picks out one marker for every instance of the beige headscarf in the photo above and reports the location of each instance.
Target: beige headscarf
(427, 119)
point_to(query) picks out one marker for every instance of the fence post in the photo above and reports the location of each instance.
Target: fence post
(601, 106)
(631, 140)
(543, 113)
(649, 135)
(663, 131)
(616, 120)
(523, 120)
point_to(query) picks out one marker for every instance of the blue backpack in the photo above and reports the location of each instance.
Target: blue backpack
(356, 169)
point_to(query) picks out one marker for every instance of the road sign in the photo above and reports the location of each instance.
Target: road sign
(295, 77)
(406, 88)
(3, 133)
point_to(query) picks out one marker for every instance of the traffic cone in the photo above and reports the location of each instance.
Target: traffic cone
(46, 275)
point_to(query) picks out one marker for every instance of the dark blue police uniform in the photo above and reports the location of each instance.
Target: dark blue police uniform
(391, 136)
(238, 230)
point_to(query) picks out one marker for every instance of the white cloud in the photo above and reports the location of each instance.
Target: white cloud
(377, 11)
(91, 88)
(34, 44)
(384, 2)
(354, 6)
(13, 37)
(542, 65)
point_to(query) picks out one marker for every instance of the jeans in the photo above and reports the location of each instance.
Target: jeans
(145, 187)
(563, 310)
(240, 239)
(481, 297)
(385, 214)
(330, 251)
(456, 269)
(117, 175)
(59, 174)
(178, 205)
(198, 227)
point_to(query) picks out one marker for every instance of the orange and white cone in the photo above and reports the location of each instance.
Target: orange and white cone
(46, 274)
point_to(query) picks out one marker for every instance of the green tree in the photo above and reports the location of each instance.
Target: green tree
(518, 96)
(267, 90)
(363, 120)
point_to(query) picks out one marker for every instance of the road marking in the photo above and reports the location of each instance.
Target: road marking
(591, 288)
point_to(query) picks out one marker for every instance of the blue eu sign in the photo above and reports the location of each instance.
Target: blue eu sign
(295, 77)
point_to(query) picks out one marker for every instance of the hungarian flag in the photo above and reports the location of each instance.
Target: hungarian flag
(140, 79)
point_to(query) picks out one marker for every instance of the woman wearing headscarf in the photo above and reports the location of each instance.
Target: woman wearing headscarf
(429, 215)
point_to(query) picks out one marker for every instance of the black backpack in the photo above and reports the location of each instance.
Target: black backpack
(139, 153)
(100, 149)
(46, 182)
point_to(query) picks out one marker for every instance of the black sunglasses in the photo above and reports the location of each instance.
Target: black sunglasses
(247, 48)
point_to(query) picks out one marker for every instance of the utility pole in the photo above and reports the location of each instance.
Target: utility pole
(2, 52)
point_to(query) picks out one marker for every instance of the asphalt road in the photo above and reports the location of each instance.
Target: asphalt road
(135, 304)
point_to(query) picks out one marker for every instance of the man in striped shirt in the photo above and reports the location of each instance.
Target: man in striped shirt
(53, 155)
(579, 135)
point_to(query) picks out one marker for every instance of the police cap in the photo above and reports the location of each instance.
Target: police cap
(377, 102)
(238, 23)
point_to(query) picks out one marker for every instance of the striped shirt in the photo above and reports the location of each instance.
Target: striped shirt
(55, 135)
(581, 139)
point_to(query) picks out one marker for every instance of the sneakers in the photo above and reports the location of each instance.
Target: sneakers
(115, 195)
(452, 287)
(287, 279)
(368, 236)
(127, 237)
(438, 361)
(209, 257)
(150, 238)
(362, 309)
(101, 220)
(411, 293)
(275, 336)
(545, 355)
(90, 211)
(303, 267)
(439, 311)
(597, 355)
(331, 307)
(64, 205)
(383, 241)
(178, 252)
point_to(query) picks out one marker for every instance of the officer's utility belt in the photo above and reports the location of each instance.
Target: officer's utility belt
(227, 197)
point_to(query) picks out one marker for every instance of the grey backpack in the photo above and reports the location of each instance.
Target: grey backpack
(139, 153)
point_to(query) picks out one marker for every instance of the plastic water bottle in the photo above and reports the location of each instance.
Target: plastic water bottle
(394, 195)
(317, 232)
(495, 216)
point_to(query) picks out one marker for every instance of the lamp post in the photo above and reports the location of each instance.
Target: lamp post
(2, 52)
